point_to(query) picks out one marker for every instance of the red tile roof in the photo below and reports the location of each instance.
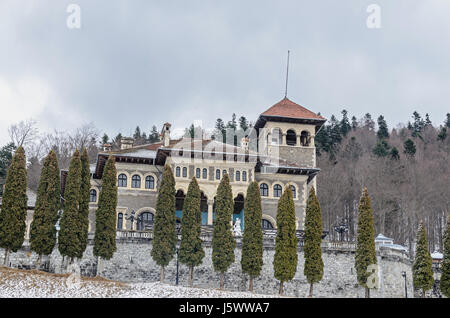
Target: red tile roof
(288, 109)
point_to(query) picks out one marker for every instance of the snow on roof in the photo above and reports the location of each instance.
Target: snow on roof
(381, 237)
(137, 153)
(396, 247)
(437, 255)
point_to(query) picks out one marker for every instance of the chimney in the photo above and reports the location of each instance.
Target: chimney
(126, 143)
(165, 134)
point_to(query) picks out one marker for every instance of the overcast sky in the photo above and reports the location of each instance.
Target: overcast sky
(147, 62)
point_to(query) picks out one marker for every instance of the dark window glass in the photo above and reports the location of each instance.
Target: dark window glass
(244, 175)
(205, 173)
(291, 138)
(145, 219)
(122, 180)
(119, 221)
(93, 195)
(197, 173)
(184, 172)
(217, 174)
(264, 188)
(238, 176)
(266, 225)
(294, 192)
(177, 171)
(149, 182)
(136, 181)
(277, 190)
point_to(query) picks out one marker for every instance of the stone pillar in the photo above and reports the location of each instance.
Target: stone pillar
(283, 140)
(210, 211)
(298, 140)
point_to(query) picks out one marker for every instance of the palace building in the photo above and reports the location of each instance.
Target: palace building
(278, 152)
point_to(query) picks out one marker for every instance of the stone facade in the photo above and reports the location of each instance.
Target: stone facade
(132, 263)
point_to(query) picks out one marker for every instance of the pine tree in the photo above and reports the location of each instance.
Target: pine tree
(423, 263)
(105, 216)
(164, 235)
(383, 132)
(69, 240)
(191, 252)
(252, 241)
(395, 155)
(409, 147)
(345, 124)
(6, 154)
(14, 205)
(48, 203)
(365, 246)
(223, 243)
(285, 258)
(381, 149)
(84, 202)
(447, 120)
(313, 269)
(445, 276)
(442, 134)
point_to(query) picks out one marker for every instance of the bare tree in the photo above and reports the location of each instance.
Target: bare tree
(23, 133)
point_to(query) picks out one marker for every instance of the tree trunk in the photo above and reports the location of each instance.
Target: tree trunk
(250, 284)
(99, 266)
(281, 288)
(367, 292)
(6, 261)
(423, 293)
(191, 276)
(161, 275)
(310, 290)
(222, 280)
(38, 263)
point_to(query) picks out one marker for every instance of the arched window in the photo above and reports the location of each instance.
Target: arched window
(217, 174)
(144, 220)
(224, 172)
(119, 221)
(184, 172)
(291, 138)
(149, 182)
(294, 191)
(305, 138)
(122, 181)
(136, 181)
(276, 136)
(244, 176)
(277, 190)
(205, 173)
(264, 189)
(266, 225)
(238, 176)
(93, 195)
(178, 172)
(197, 173)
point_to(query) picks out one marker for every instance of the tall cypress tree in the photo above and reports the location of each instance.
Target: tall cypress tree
(14, 205)
(69, 240)
(105, 216)
(48, 202)
(365, 245)
(191, 252)
(445, 276)
(423, 263)
(252, 241)
(285, 259)
(84, 202)
(313, 269)
(223, 242)
(164, 235)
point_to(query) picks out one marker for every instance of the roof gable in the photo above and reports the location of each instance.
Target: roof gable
(288, 109)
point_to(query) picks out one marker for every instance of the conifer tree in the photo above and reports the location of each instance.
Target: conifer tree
(423, 263)
(409, 147)
(164, 235)
(365, 245)
(69, 244)
(313, 269)
(84, 202)
(285, 258)
(191, 252)
(445, 276)
(105, 216)
(14, 205)
(223, 243)
(383, 132)
(252, 241)
(48, 203)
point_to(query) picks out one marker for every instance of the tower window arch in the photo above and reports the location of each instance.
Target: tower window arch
(305, 138)
(136, 181)
(266, 225)
(277, 190)
(122, 180)
(264, 189)
(291, 138)
(149, 182)
(276, 136)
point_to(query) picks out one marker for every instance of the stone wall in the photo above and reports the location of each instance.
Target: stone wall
(132, 263)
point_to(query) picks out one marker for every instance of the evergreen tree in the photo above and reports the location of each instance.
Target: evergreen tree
(423, 263)
(313, 269)
(442, 134)
(428, 122)
(14, 205)
(223, 242)
(69, 239)
(83, 213)
(6, 154)
(154, 135)
(409, 147)
(48, 203)
(252, 241)
(243, 123)
(105, 139)
(447, 121)
(164, 235)
(105, 216)
(285, 258)
(445, 276)
(417, 126)
(345, 124)
(368, 122)
(191, 252)
(381, 149)
(137, 133)
(395, 155)
(365, 246)
(383, 132)
(354, 123)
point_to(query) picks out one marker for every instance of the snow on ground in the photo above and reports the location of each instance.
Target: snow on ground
(36, 284)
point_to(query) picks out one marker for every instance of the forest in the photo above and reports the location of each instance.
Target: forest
(405, 168)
